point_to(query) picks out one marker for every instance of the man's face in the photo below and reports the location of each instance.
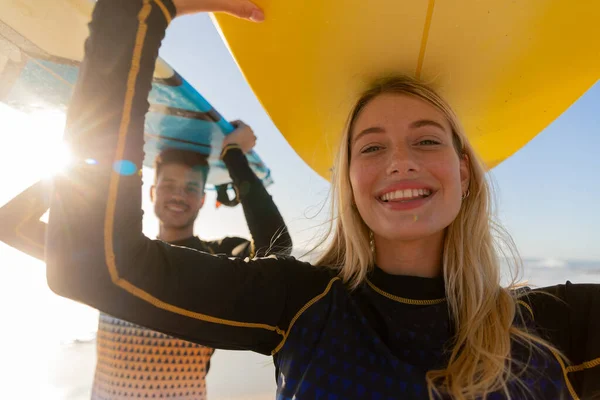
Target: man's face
(178, 196)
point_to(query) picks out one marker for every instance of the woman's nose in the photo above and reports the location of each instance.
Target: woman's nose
(402, 161)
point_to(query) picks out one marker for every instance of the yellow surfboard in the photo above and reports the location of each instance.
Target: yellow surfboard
(508, 67)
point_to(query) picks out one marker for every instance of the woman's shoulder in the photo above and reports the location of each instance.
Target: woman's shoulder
(560, 307)
(296, 265)
(567, 316)
(564, 294)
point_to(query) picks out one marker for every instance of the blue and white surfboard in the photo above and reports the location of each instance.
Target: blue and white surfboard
(32, 78)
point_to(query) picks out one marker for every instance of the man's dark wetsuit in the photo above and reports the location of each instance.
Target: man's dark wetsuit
(328, 342)
(131, 359)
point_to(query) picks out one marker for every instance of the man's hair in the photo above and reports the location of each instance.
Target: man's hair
(196, 161)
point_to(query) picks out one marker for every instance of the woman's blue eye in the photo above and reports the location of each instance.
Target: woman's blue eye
(370, 149)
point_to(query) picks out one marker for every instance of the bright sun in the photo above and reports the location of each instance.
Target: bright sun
(35, 140)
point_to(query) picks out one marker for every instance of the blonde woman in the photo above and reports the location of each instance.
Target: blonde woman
(405, 303)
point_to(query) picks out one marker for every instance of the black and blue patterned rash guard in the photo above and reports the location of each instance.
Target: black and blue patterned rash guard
(379, 341)
(327, 341)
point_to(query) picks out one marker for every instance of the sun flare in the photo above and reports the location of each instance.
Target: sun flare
(37, 149)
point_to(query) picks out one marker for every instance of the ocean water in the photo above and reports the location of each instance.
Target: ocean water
(48, 349)
(546, 272)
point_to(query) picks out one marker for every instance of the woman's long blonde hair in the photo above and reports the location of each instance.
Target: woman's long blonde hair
(482, 311)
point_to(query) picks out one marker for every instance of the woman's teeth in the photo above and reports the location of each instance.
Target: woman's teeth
(406, 194)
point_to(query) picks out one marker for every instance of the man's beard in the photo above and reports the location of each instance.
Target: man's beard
(166, 222)
(170, 225)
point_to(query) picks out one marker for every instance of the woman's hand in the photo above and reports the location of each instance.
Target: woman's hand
(244, 9)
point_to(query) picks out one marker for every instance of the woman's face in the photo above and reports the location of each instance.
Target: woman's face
(407, 178)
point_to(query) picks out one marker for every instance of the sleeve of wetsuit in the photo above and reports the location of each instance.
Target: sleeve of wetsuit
(20, 225)
(267, 227)
(570, 319)
(96, 252)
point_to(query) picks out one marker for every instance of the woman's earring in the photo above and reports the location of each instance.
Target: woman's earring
(466, 194)
(372, 241)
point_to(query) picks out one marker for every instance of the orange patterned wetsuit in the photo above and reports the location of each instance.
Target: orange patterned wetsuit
(134, 360)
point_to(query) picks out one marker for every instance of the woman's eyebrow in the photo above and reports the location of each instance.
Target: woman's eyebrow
(373, 129)
(427, 122)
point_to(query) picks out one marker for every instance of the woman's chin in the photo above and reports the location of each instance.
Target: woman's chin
(401, 232)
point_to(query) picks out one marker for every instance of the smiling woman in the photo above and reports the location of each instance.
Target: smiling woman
(400, 146)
